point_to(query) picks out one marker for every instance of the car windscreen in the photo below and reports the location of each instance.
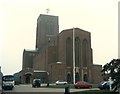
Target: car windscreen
(7, 78)
(103, 83)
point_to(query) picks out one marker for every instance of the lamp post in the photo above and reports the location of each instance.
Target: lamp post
(73, 56)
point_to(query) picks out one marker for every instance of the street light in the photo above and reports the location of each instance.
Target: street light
(73, 56)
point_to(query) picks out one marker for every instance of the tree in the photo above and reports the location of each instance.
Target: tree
(112, 70)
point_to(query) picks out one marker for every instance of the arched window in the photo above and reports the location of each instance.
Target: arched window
(77, 51)
(68, 52)
(85, 52)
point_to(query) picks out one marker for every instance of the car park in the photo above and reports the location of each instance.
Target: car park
(82, 84)
(61, 82)
(36, 83)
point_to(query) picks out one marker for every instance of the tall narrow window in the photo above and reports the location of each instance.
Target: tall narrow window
(77, 51)
(85, 52)
(68, 52)
(50, 28)
(37, 37)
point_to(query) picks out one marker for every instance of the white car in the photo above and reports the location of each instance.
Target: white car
(61, 82)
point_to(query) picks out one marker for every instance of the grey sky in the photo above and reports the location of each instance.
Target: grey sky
(18, 27)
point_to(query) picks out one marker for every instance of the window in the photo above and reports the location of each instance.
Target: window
(77, 51)
(50, 28)
(85, 52)
(68, 52)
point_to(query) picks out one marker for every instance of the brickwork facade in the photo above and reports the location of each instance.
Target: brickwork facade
(80, 35)
(53, 58)
(96, 73)
(57, 71)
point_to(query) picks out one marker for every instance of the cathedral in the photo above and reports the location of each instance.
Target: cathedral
(59, 56)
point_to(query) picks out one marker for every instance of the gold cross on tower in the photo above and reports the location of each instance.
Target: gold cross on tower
(47, 10)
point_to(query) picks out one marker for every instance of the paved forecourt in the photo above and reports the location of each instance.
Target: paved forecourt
(28, 88)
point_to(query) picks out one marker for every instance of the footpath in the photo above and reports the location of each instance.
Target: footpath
(0, 90)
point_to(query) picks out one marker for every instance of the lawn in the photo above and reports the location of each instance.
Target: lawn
(85, 92)
(69, 85)
(95, 92)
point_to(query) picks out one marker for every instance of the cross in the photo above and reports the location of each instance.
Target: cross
(47, 10)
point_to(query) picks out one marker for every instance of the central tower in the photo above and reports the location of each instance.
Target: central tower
(47, 31)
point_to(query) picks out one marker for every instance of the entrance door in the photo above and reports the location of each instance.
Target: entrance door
(85, 77)
(68, 78)
(77, 77)
(28, 78)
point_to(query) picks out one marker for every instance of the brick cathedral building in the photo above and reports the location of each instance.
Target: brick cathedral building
(52, 59)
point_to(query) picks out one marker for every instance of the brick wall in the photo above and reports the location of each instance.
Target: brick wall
(97, 74)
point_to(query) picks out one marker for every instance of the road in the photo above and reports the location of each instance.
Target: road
(27, 89)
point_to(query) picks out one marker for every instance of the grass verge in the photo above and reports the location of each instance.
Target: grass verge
(95, 92)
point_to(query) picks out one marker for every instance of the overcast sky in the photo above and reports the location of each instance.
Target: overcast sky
(19, 18)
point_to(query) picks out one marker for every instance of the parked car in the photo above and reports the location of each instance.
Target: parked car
(36, 83)
(82, 84)
(8, 82)
(60, 82)
(104, 85)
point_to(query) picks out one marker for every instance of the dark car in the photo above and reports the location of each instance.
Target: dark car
(36, 83)
(82, 84)
(104, 85)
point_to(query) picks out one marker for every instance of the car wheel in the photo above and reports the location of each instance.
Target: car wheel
(33, 86)
(40, 85)
(11, 88)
